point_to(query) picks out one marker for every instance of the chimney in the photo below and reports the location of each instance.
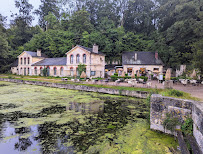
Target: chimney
(95, 48)
(135, 56)
(156, 55)
(39, 54)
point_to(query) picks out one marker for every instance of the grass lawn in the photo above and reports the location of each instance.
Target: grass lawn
(164, 92)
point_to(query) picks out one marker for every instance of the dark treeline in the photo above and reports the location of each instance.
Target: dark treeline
(174, 28)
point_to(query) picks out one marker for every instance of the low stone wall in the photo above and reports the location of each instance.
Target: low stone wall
(179, 108)
(137, 94)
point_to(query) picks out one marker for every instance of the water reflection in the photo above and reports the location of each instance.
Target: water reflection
(98, 118)
(94, 107)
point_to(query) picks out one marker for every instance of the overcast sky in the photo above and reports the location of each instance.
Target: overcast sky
(7, 7)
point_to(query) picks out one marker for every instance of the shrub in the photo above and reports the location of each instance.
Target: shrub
(187, 126)
(115, 74)
(143, 77)
(174, 78)
(10, 77)
(170, 122)
(114, 78)
(174, 92)
(44, 71)
(126, 74)
(127, 77)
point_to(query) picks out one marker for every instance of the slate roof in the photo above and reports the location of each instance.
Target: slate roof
(143, 58)
(90, 50)
(34, 54)
(51, 62)
(15, 63)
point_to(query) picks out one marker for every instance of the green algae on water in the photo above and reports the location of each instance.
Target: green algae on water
(85, 121)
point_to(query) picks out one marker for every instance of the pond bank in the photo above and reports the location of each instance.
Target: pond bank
(137, 94)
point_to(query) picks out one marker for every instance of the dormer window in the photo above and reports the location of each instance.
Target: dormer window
(135, 56)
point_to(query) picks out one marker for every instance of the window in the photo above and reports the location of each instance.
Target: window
(21, 61)
(21, 70)
(84, 58)
(78, 59)
(129, 71)
(24, 71)
(71, 71)
(93, 73)
(55, 70)
(41, 71)
(24, 61)
(61, 71)
(71, 59)
(28, 71)
(35, 70)
(28, 60)
(156, 69)
(48, 71)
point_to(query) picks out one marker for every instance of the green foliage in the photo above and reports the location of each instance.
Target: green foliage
(11, 77)
(47, 7)
(144, 77)
(81, 68)
(198, 55)
(115, 74)
(170, 122)
(173, 92)
(187, 126)
(44, 71)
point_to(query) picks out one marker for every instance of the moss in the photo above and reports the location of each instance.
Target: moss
(135, 138)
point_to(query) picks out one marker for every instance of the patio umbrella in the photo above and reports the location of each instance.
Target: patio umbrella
(168, 74)
(83, 75)
(133, 75)
(75, 74)
(138, 73)
(194, 74)
(123, 74)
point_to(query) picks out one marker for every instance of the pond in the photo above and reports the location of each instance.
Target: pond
(36, 119)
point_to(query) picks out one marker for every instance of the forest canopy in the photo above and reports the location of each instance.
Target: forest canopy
(173, 28)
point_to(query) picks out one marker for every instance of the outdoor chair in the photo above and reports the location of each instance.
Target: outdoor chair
(73, 80)
(64, 79)
(193, 82)
(117, 81)
(149, 84)
(184, 82)
(140, 80)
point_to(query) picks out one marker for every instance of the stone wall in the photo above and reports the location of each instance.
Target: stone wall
(138, 94)
(179, 108)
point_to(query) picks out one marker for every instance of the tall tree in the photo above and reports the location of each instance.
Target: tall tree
(20, 26)
(139, 16)
(47, 6)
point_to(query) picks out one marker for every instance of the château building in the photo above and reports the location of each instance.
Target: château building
(33, 63)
